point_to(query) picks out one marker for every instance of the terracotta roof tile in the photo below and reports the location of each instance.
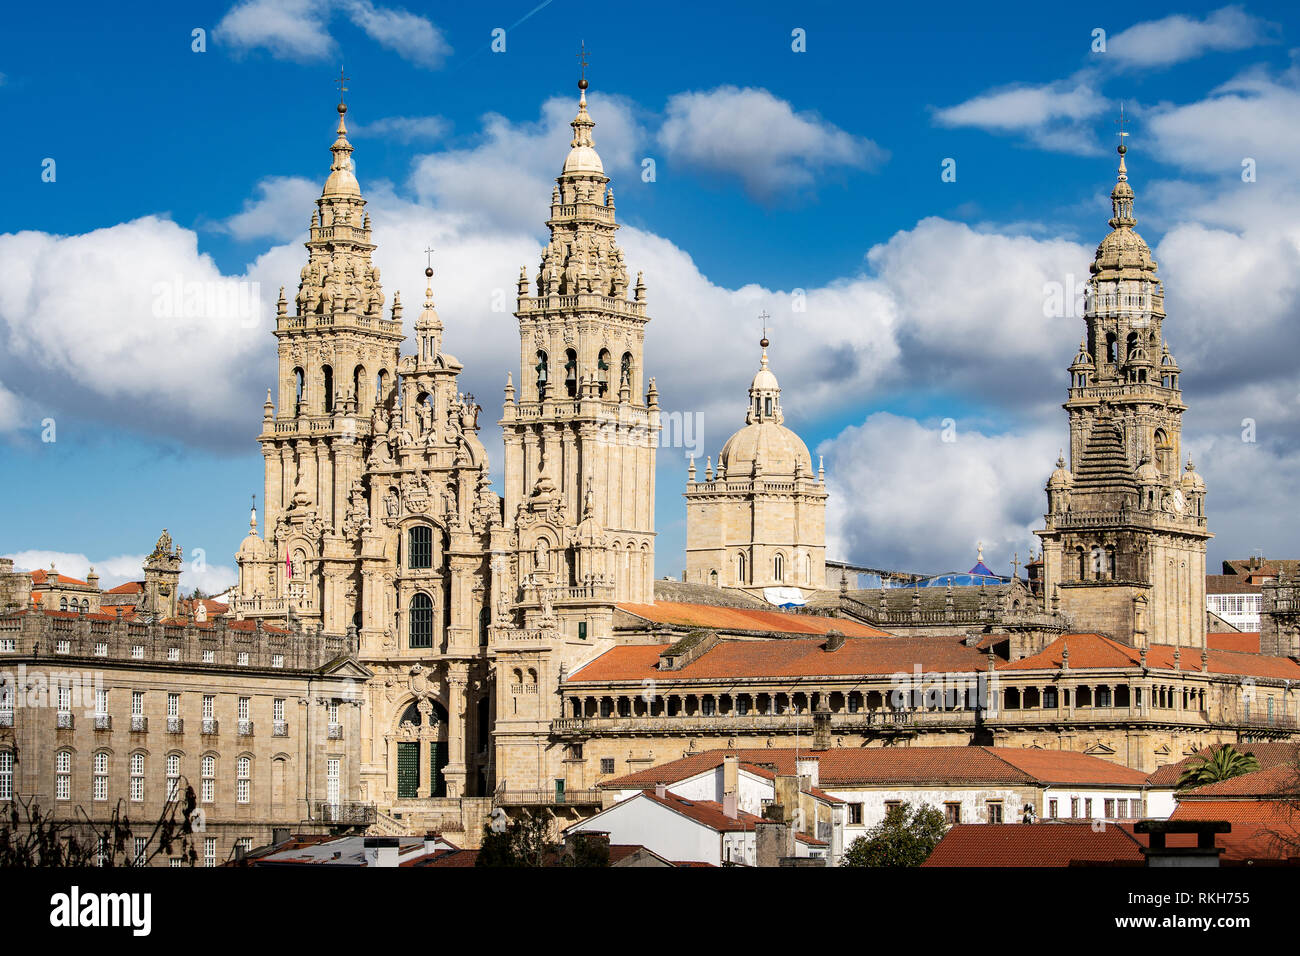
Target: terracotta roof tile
(1267, 754)
(843, 767)
(1095, 651)
(1278, 780)
(130, 587)
(788, 658)
(1230, 584)
(682, 614)
(1247, 642)
(709, 813)
(1038, 844)
(42, 576)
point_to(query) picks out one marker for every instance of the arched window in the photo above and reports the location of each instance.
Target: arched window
(1164, 453)
(209, 779)
(327, 381)
(63, 775)
(420, 550)
(713, 578)
(137, 777)
(543, 373)
(421, 621)
(358, 384)
(299, 383)
(1110, 347)
(571, 372)
(741, 577)
(63, 604)
(625, 370)
(602, 371)
(243, 779)
(85, 606)
(778, 568)
(381, 387)
(484, 622)
(1130, 345)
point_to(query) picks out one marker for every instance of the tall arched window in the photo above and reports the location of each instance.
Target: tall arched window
(741, 577)
(778, 568)
(381, 387)
(1164, 453)
(1110, 347)
(358, 385)
(602, 370)
(571, 372)
(420, 550)
(63, 604)
(299, 383)
(327, 382)
(625, 370)
(543, 373)
(421, 621)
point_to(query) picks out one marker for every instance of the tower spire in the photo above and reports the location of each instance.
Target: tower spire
(1121, 197)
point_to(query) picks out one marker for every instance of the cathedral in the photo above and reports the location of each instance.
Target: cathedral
(380, 519)
(510, 636)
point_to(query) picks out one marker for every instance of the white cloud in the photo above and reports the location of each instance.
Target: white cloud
(411, 37)
(402, 129)
(1178, 37)
(289, 29)
(1054, 116)
(902, 496)
(759, 138)
(300, 29)
(118, 569)
(282, 210)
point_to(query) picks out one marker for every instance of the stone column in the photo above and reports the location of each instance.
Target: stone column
(455, 772)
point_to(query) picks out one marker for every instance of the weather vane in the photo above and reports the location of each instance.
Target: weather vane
(342, 82)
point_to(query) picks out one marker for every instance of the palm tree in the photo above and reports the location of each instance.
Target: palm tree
(1223, 764)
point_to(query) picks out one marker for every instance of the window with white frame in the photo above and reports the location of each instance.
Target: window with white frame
(242, 658)
(8, 645)
(6, 704)
(6, 775)
(278, 708)
(65, 698)
(244, 844)
(173, 705)
(244, 703)
(209, 776)
(137, 703)
(209, 851)
(173, 777)
(141, 850)
(243, 781)
(332, 780)
(63, 775)
(333, 712)
(209, 703)
(173, 653)
(101, 648)
(100, 781)
(137, 652)
(101, 851)
(137, 778)
(277, 660)
(175, 863)
(63, 646)
(209, 657)
(101, 702)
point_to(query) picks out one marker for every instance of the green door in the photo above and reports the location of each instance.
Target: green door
(437, 761)
(408, 769)
(559, 791)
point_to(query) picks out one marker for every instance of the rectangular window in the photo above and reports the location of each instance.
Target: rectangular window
(173, 777)
(1051, 809)
(101, 648)
(100, 783)
(1109, 810)
(141, 850)
(173, 653)
(173, 705)
(1074, 808)
(209, 851)
(243, 707)
(137, 652)
(952, 813)
(332, 780)
(277, 709)
(209, 779)
(175, 863)
(63, 646)
(62, 775)
(277, 660)
(242, 658)
(101, 702)
(995, 811)
(209, 657)
(65, 698)
(243, 773)
(137, 703)
(421, 547)
(137, 778)
(209, 706)
(855, 814)
(7, 645)
(606, 764)
(1087, 808)
(6, 775)
(334, 712)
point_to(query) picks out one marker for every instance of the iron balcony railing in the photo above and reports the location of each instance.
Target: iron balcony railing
(103, 722)
(65, 721)
(139, 724)
(175, 725)
(245, 728)
(280, 728)
(211, 727)
(547, 798)
(346, 814)
(335, 732)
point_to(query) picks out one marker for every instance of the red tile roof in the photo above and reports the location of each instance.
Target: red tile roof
(1095, 651)
(1230, 584)
(130, 587)
(1267, 754)
(1272, 813)
(41, 576)
(1247, 642)
(1279, 780)
(745, 619)
(1035, 844)
(1246, 843)
(876, 766)
(788, 658)
(449, 858)
(709, 813)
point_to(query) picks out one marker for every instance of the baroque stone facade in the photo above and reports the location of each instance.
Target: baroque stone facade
(1125, 532)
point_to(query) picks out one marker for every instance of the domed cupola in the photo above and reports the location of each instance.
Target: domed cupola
(765, 446)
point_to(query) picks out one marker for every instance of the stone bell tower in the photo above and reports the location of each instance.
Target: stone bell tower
(582, 426)
(1124, 537)
(162, 578)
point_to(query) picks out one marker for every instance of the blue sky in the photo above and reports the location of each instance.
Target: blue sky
(775, 171)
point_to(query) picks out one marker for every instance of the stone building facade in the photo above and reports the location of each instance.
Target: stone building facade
(1125, 531)
(98, 712)
(760, 520)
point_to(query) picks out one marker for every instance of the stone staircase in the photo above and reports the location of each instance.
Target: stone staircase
(387, 825)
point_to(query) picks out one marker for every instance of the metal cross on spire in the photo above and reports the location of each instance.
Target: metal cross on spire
(342, 82)
(762, 318)
(428, 257)
(582, 58)
(1122, 123)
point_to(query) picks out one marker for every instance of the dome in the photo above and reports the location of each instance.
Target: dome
(765, 379)
(1192, 482)
(1147, 473)
(1061, 477)
(776, 449)
(341, 182)
(583, 159)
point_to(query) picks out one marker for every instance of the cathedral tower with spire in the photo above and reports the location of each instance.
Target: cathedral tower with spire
(1125, 531)
(760, 520)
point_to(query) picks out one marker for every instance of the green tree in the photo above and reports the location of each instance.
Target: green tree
(588, 849)
(1223, 764)
(523, 841)
(905, 837)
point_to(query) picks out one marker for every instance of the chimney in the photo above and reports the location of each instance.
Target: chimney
(808, 767)
(834, 640)
(661, 790)
(381, 851)
(730, 784)
(431, 840)
(821, 725)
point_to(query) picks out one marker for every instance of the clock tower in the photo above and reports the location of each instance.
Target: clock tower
(1124, 536)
